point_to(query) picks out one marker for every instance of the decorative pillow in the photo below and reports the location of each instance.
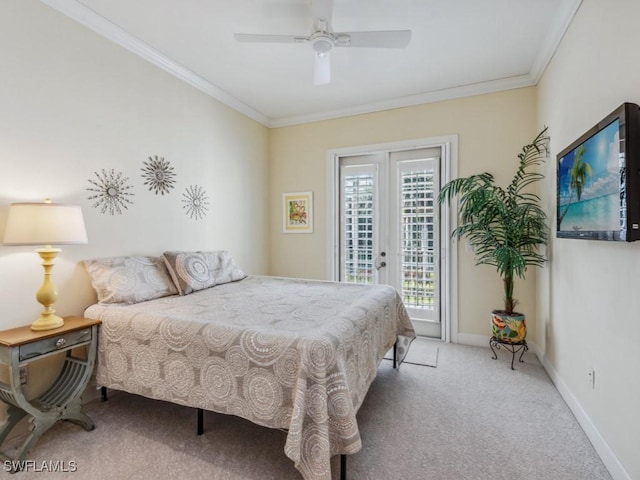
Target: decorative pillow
(129, 280)
(193, 271)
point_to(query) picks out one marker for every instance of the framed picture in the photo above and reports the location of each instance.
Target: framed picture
(297, 211)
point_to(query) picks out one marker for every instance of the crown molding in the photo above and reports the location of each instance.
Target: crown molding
(90, 19)
(546, 53)
(552, 41)
(412, 100)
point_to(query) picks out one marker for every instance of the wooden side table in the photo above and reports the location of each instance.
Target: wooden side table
(21, 346)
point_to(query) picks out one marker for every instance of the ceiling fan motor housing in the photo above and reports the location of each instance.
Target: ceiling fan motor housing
(322, 43)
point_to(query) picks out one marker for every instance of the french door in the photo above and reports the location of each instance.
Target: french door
(388, 228)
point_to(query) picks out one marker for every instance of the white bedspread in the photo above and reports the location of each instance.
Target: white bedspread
(283, 353)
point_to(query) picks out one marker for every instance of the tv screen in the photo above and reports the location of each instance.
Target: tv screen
(597, 175)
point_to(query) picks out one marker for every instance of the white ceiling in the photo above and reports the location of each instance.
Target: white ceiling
(458, 48)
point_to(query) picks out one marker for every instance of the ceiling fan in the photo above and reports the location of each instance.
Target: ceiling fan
(323, 39)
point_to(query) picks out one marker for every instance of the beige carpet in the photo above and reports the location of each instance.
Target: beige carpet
(471, 418)
(423, 351)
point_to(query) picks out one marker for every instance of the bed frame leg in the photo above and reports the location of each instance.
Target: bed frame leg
(103, 394)
(395, 355)
(343, 467)
(200, 421)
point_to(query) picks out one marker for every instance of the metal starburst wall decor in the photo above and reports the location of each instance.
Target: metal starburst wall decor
(195, 202)
(159, 175)
(111, 191)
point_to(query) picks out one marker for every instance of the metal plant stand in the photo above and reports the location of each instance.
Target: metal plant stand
(513, 347)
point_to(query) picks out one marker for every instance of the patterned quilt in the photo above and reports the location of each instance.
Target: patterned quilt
(284, 353)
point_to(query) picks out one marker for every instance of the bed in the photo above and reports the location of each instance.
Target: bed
(284, 353)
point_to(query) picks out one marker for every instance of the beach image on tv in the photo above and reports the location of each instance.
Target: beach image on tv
(589, 184)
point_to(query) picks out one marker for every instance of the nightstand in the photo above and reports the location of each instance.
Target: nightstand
(21, 346)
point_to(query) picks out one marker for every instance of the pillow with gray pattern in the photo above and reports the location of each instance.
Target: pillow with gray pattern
(193, 271)
(131, 279)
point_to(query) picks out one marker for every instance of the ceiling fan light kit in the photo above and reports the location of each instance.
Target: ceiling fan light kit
(323, 39)
(322, 69)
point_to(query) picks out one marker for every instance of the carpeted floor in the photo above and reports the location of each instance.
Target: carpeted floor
(423, 351)
(471, 418)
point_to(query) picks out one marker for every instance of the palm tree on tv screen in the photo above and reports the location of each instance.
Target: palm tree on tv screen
(578, 172)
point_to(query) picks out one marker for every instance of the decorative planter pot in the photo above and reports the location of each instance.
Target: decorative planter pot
(508, 328)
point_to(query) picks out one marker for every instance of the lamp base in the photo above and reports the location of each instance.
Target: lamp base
(47, 322)
(47, 293)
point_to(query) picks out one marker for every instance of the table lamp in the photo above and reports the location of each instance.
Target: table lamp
(45, 224)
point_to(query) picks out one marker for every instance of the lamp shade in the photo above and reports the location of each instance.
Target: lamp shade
(44, 224)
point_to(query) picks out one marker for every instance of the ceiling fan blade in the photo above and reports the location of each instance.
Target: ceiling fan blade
(266, 38)
(322, 10)
(379, 39)
(322, 72)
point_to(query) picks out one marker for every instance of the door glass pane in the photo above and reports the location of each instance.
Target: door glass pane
(388, 231)
(418, 240)
(358, 202)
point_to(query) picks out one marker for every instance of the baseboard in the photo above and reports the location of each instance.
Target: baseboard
(609, 458)
(473, 340)
(483, 341)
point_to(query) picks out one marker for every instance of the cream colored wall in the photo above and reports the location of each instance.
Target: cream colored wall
(491, 129)
(72, 103)
(589, 294)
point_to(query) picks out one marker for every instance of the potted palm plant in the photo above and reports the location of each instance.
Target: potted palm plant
(505, 227)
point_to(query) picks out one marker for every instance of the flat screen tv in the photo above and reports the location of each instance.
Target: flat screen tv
(598, 195)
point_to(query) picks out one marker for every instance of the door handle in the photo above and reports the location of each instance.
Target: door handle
(383, 263)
